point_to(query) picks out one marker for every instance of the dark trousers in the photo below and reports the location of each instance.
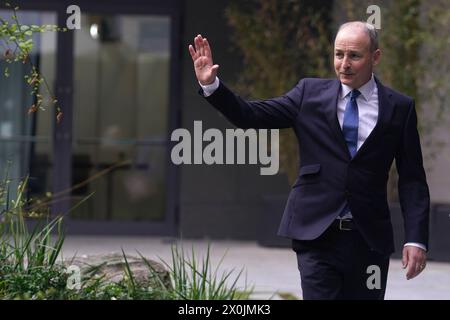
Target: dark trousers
(339, 265)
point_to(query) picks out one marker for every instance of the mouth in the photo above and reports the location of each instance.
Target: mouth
(347, 74)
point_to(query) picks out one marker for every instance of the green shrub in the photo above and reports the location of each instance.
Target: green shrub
(29, 267)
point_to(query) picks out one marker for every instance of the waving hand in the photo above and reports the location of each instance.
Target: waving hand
(205, 69)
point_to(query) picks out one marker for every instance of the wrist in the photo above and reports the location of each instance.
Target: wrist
(207, 83)
(210, 88)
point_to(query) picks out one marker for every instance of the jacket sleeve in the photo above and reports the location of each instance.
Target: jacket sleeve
(412, 185)
(275, 113)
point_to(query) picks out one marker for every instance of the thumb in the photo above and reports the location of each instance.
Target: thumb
(214, 68)
(405, 258)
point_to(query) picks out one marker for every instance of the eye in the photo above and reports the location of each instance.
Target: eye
(339, 55)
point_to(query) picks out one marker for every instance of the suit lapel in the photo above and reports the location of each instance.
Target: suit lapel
(385, 111)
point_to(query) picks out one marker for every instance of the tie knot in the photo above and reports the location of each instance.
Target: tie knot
(354, 94)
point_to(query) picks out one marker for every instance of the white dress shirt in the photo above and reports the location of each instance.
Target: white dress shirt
(367, 115)
(210, 88)
(367, 108)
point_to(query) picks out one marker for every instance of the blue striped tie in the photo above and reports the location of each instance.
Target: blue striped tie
(350, 131)
(350, 126)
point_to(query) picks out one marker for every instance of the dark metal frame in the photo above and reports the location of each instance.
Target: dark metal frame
(62, 132)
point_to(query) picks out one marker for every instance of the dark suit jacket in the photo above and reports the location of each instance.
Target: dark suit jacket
(328, 175)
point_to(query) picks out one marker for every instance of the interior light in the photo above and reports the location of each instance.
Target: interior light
(94, 31)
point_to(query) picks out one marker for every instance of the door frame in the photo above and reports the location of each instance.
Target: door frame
(62, 132)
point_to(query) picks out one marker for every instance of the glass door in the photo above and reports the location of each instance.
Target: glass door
(117, 82)
(26, 139)
(120, 117)
(124, 104)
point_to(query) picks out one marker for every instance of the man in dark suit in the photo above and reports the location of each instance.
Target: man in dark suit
(349, 131)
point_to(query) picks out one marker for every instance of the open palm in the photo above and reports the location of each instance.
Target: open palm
(204, 68)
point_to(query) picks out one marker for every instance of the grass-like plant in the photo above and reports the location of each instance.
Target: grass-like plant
(28, 266)
(31, 242)
(192, 279)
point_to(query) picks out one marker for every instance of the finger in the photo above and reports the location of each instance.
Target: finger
(202, 47)
(411, 272)
(405, 258)
(418, 269)
(207, 49)
(411, 263)
(214, 68)
(414, 268)
(200, 44)
(421, 265)
(192, 52)
(197, 43)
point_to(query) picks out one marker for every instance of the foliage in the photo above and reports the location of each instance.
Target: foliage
(283, 41)
(194, 280)
(415, 46)
(27, 258)
(29, 267)
(280, 41)
(18, 43)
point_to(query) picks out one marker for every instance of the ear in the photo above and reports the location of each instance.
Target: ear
(376, 57)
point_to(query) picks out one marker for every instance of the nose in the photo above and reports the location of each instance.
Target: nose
(346, 62)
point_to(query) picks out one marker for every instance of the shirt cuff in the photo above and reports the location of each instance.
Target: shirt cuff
(415, 244)
(210, 88)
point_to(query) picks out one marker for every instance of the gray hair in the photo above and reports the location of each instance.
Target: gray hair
(367, 28)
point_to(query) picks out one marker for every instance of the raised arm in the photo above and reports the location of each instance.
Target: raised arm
(273, 113)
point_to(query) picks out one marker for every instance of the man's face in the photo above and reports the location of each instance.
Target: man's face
(353, 61)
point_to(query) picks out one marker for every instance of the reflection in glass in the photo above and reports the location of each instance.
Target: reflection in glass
(121, 98)
(25, 140)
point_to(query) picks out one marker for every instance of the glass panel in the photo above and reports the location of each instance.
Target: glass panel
(131, 189)
(25, 140)
(120, 116)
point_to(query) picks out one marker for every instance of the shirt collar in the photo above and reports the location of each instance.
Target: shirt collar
(366, 89)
